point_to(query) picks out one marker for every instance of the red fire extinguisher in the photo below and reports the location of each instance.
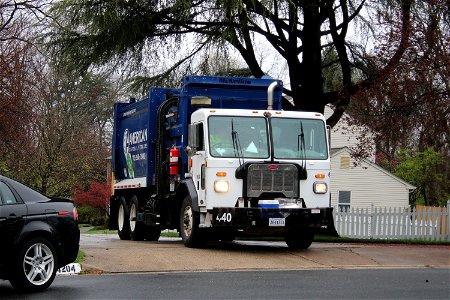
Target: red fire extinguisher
(174, 153)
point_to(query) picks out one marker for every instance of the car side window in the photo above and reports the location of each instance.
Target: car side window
(6, 195)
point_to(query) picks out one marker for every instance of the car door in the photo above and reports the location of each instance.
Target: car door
(12, 218)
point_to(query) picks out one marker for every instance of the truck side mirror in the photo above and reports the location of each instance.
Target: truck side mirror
(195, 136)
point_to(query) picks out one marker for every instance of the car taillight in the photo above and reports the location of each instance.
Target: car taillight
(75, 214)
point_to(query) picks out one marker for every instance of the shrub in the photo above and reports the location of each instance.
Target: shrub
(92, 215)
(96, 195)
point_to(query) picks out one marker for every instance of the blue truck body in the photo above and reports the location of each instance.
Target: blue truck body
(135, 125)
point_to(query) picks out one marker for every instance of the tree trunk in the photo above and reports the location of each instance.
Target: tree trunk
(308, 95)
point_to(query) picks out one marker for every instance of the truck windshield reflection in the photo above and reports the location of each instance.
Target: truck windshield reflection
(247, 137)
(231, 136)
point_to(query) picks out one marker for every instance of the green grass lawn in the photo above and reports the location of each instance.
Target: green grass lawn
(80, 256)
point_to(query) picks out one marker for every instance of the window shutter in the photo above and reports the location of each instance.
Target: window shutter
(345, 162)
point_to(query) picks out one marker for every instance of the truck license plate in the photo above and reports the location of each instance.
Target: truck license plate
(277, 221)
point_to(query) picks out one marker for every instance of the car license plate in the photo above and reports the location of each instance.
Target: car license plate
(277, 221)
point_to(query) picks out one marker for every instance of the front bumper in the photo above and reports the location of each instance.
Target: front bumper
(317, 219)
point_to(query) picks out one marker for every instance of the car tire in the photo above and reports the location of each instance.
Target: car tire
(299, 239)
(189, 229)
(136, 228)
(123, 217)
(36, 265)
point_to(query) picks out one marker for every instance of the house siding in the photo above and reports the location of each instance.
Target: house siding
(345, 135)
(368, 185)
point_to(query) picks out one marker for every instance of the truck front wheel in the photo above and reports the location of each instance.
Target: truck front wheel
(299, 239)
(123, 217)
(189, 220)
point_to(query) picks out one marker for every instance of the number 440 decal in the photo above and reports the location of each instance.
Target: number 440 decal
(226, 217)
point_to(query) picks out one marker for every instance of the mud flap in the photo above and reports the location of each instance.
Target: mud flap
(330, 229)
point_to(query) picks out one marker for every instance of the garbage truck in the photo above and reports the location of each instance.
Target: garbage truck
(218, 159)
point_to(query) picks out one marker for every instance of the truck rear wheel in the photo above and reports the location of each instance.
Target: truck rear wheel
(189, 220)
(123, 217)
(299, 239)
(136, 228)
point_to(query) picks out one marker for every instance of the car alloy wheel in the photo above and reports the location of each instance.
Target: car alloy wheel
(38, 264)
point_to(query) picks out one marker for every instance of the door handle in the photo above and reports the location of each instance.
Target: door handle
(12, 216)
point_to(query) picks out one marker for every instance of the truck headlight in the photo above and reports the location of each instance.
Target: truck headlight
(320, 187)
(221, 186)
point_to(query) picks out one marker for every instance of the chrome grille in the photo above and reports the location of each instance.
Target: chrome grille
(272, 178)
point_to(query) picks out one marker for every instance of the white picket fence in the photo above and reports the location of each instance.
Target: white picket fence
(431, 224)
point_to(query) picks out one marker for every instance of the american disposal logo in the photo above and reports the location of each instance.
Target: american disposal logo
(133, 138)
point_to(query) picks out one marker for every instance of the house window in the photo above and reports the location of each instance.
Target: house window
(344, 198)
(345, 162)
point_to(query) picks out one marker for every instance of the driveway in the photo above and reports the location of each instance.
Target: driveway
(106, 253)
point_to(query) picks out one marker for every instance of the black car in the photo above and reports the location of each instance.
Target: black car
(38, 235)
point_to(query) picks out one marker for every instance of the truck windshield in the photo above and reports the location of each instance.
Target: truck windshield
(299, 139)
(250, 137)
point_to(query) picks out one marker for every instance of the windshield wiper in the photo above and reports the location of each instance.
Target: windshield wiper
(301, 146)
(236, 144)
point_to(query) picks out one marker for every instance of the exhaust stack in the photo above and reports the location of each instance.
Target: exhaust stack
(270, 90)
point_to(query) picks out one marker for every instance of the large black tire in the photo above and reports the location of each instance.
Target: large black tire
(123, 217)
(36, 265)
(300, 239)
(189, 220)
(152, 233)
(136, 228)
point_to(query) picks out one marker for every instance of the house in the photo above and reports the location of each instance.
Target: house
(360, 183)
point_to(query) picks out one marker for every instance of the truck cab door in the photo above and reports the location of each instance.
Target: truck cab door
(198, 175)
(198, 157)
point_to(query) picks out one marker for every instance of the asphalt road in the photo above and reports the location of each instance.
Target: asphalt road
(301, 284)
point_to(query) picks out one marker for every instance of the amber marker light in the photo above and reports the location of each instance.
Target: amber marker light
(190, 163)
(320, 176)
(212, 110)
(221, 174)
